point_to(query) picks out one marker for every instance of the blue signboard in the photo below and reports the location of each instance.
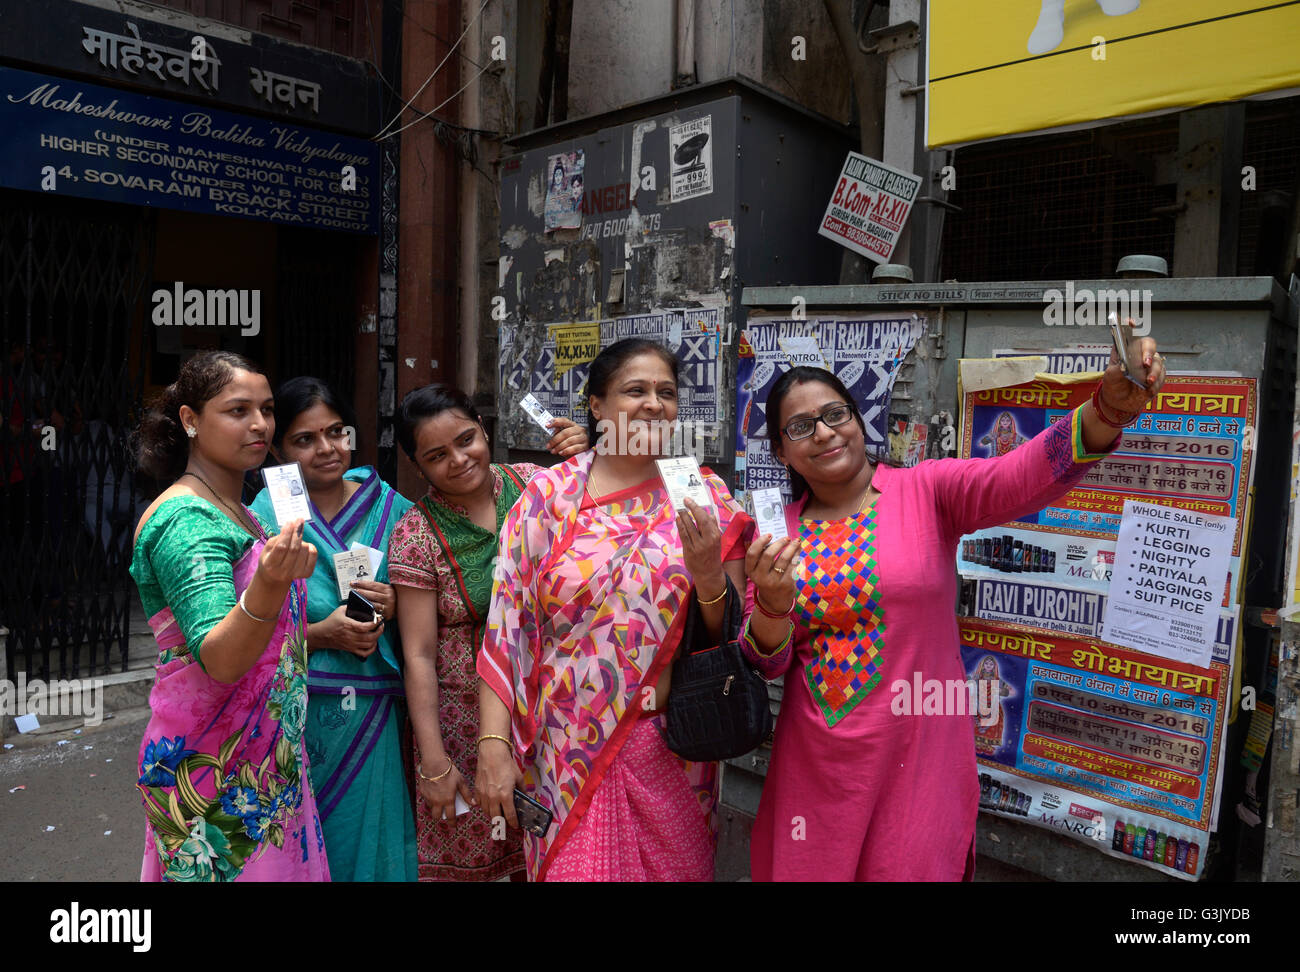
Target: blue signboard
(69, 138)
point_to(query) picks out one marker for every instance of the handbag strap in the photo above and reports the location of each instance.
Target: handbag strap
(731, 619)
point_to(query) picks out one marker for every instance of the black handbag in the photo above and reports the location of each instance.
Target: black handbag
(717, 705)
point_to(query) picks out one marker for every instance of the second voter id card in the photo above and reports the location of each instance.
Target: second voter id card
(538, 414)
(768, 507)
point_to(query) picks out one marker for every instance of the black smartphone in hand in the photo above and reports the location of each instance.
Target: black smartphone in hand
(360, 609)
(533, 817)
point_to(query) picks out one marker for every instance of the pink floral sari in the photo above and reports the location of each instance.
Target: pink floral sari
(223, 767)
(587, 610)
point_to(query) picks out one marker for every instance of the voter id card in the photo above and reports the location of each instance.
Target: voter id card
(682, 478)
(768, 508)
(349, 566)
(538, 414)
(288, 494)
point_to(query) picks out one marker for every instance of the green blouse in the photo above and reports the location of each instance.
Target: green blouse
(184, 560)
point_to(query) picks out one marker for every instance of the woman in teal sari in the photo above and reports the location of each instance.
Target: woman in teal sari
(355, 705)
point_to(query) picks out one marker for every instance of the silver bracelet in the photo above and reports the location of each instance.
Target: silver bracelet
(244, 607)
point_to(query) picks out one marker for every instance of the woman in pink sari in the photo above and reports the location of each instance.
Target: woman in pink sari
(591, 589)
(223, 770)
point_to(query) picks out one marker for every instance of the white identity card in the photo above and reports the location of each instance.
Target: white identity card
(682, 478)
(288, 494)
(376, 556)
(768, 507)
(538, 414)
(1170, 570)
(353, 565)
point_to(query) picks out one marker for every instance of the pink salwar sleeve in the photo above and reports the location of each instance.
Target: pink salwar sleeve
(770, 666)
(971, 494)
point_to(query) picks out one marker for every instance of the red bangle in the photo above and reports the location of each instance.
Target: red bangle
(1101, 412)
(758, 603)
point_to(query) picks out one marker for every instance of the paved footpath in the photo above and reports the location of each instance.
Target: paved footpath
(85, 790)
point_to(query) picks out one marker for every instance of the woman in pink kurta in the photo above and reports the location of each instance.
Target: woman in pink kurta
(855, 791)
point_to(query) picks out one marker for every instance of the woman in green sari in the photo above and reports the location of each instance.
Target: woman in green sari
(355, 705)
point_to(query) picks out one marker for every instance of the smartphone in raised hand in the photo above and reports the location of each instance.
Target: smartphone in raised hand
(1119, 336)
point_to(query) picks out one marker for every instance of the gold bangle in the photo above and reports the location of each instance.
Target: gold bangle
(715, 600)
(434, 779)
(490, 735)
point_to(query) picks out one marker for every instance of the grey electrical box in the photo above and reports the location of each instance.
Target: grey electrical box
(649, 221)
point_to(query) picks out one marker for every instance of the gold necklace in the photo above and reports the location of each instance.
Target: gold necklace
(240, 516)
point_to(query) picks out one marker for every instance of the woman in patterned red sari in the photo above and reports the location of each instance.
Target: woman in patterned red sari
(440, 555)
(591, 590)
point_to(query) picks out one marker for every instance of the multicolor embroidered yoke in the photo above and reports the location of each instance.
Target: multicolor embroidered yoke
(883, 792)
(838, 603)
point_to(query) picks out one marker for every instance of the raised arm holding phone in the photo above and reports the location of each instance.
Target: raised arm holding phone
(861, 596)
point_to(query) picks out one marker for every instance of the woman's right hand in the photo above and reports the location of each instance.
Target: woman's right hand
(768, 563)
(342, 633)
(440, 797)
(286, 557)
(494, 786)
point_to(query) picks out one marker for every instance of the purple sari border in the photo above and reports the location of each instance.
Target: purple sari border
(328, 795)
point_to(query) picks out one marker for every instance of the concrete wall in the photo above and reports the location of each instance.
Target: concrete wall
(624, 51)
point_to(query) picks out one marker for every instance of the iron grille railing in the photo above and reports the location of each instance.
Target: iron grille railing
(71, 283)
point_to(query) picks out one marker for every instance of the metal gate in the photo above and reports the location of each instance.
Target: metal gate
(72, 275)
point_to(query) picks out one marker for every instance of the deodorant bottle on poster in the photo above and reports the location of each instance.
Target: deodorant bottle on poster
(1180, 862)
(1140, 842)
(1160, 847)
(1018, 556)
(995, 553)
(1130, 835)
(1171, 851)
(1006, 552)
(1193, 855)
(995, 790)
(1149, 852)
(1117, 841)
(985, 780)
(1051, 561)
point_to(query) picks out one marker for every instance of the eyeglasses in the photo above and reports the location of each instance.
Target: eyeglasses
(801, 428)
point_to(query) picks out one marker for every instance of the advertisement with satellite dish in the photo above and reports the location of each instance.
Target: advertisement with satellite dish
(690, 147)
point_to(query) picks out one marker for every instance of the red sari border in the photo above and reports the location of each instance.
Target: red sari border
(610, 751)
